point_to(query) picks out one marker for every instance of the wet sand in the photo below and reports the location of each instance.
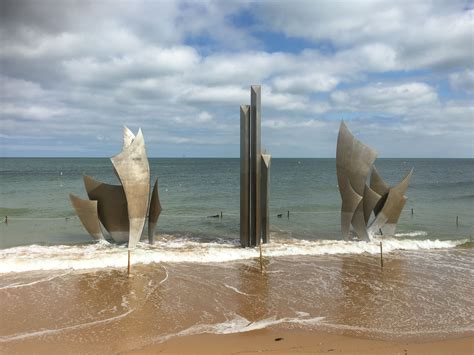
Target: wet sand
(315, 303)
(303, 342)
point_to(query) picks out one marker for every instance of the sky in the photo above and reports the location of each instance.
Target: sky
(73, 73)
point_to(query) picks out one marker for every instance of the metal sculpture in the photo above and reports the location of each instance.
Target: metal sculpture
(86, 210)
(131, 167)
(122, 209)
(111, 206)
(254, 215)
(154, 213)
(354, 161)
(389, 209)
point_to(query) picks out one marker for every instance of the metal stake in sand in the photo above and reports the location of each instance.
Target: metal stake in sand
(381, 255)
(129, 266)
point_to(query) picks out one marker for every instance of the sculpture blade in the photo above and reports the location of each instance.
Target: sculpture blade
(128, 137)
(111, 206)
(349, 204)
(353, 163)
(86, 210)
(371, 198)
(392, 209)
(154, 213)
(377, 183)
(358, 222)
(131, 166)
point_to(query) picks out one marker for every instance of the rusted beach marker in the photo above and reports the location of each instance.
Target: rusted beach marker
(129, 266)
(381, 255)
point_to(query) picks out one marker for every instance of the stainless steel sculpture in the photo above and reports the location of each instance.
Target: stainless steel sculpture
(154, 212)
(254, 216)
(86, 210)
(354, 160)
(111, 206)
(266, 161)
(122, 209)
(390, 207)
(131, 167)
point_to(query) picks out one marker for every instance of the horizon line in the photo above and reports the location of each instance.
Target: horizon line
(210, 157)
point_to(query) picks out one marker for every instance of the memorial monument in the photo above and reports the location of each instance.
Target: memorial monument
(254, 175)
(354, 162)
(121, 210)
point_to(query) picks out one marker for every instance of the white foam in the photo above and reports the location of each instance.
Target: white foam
(237, 290)
(239, 324)
(45, 332)
(46, 279)
(101, 255)
(412, 234)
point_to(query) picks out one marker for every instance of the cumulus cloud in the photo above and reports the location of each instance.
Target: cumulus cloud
(415, 34)
(463, 81)
(71, 71)
(397, 99)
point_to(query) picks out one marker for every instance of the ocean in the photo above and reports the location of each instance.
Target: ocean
(311, 277)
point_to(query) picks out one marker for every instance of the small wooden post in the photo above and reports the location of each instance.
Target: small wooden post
(457, 221)
(261, 257)
(381, 255)
(129, 266)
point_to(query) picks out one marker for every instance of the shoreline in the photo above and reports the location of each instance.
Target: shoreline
(276, 341)
(419, 303)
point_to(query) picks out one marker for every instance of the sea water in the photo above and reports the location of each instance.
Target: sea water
(196, 278)
(34, 195)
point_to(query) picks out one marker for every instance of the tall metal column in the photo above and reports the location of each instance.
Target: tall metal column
(255, 165)
(254, 175)
(266, 160)
(244, 175)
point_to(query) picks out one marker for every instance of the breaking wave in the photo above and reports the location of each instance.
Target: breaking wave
(191, 250)
(412, 234)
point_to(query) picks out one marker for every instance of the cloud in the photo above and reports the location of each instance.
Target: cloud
(396, 99)
(463, 81)
(415, 34)
(182, 74)
(306, 83)
(147, 62)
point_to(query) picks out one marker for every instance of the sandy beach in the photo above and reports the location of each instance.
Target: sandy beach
(419, 303)
(303, 342)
